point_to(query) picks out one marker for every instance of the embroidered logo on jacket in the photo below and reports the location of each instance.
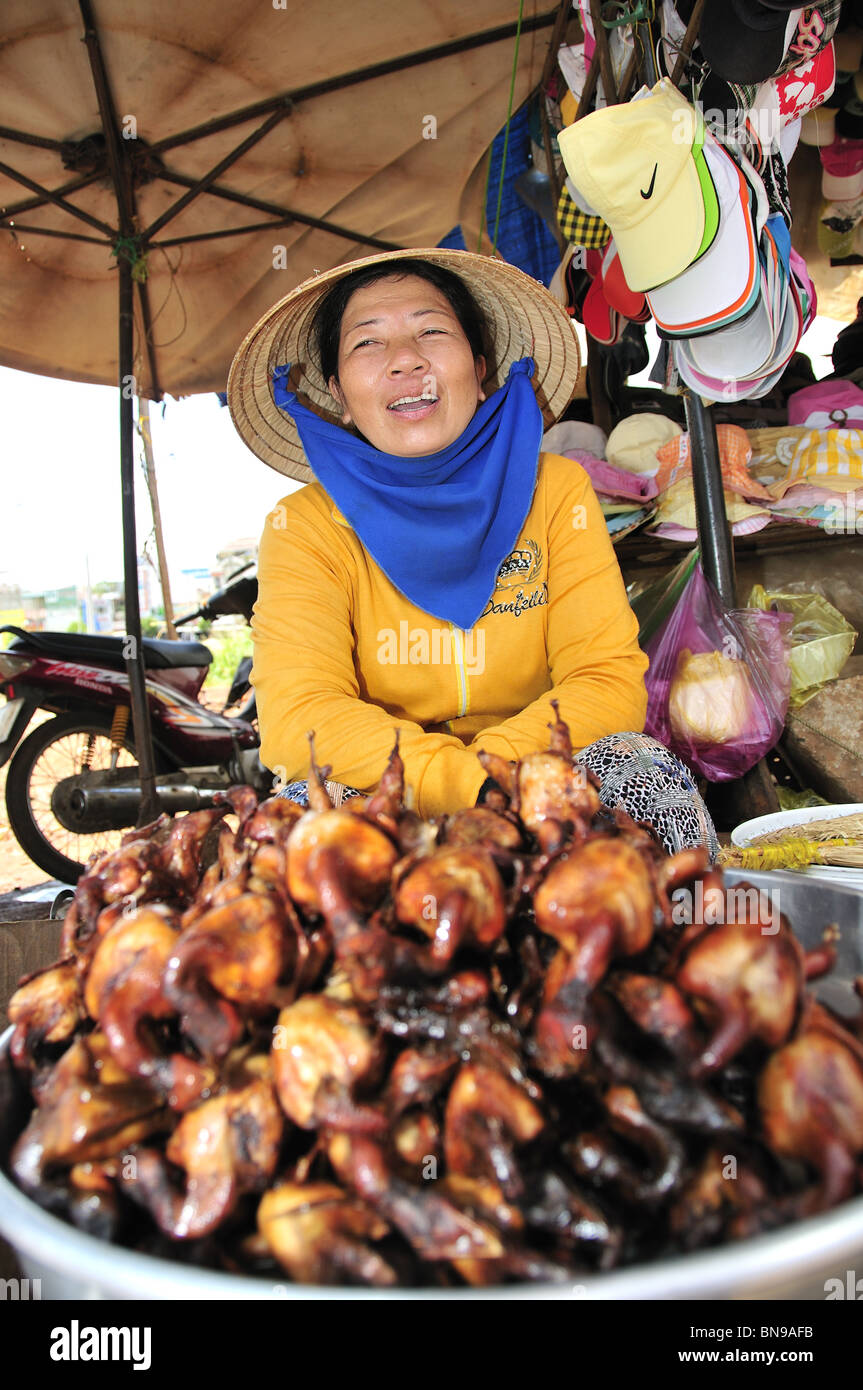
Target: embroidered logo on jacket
(521, 603)
(521, 566)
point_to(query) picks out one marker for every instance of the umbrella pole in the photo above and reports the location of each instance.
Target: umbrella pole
(133, 649)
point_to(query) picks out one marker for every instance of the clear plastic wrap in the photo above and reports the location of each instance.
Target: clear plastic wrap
(821, 639)
(718, 682)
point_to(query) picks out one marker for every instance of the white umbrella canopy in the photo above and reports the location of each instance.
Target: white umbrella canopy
(392, 160)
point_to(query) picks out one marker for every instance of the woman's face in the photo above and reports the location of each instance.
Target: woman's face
(407, 377)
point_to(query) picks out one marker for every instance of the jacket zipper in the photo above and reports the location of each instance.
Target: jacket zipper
(460, 668)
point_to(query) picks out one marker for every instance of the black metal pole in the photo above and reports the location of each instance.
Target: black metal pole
(133, 648)
(711, 518)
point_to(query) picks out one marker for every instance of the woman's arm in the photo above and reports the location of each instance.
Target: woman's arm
(305, 678)
(595, 664)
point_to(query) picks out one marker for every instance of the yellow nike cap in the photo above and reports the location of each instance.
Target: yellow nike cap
(636, 165)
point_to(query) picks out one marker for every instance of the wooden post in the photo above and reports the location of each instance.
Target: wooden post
(164, 578)
(688, 41)
(606, 68)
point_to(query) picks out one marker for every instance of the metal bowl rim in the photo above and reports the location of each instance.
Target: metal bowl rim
(810, 1249)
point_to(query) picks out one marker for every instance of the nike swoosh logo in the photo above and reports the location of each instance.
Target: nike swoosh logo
(649, 193)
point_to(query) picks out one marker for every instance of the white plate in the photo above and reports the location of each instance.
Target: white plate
(749, 830)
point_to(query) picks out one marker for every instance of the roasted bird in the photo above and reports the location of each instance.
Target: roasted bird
(350, 1046)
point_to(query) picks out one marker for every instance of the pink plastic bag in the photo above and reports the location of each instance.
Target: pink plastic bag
(718, 683)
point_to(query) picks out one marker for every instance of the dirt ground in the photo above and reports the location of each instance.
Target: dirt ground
(16, 869)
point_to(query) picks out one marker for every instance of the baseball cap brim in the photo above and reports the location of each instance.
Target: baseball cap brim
(841, 188)
(628, 302)
(819, 126)
(740, 349)
(523, 319)
(719, 286)
(602, 322)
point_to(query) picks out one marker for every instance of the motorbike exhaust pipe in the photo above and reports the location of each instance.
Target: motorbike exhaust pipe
(117, 808)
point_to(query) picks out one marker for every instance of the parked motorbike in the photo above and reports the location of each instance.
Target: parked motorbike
(72, 786)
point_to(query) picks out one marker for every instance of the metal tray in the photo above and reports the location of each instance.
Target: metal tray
(791, 1263)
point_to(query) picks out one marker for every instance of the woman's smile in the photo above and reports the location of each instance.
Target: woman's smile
(414, 407)
(407, 379)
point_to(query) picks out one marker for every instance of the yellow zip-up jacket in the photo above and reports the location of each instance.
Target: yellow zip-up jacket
(339, 650)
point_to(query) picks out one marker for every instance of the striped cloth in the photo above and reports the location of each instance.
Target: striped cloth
(827, 458)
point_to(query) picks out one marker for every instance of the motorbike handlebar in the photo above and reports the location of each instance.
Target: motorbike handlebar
(188, 618)
(237, 597)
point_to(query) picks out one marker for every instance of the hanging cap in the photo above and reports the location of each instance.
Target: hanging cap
(640, 166)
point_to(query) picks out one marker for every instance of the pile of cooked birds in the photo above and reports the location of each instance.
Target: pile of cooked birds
(358, 1047)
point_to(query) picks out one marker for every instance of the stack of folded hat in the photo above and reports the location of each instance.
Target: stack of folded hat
(824, 482)
(675, 516)
(626, 495)
(693, 232)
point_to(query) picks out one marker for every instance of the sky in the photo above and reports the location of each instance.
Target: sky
(61, 483)
(61, 478)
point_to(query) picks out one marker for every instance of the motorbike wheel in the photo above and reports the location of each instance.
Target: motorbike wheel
(54, 750)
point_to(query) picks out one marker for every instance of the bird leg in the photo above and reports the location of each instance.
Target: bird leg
(227, 1146)
(46, 1007)
(320, 1235)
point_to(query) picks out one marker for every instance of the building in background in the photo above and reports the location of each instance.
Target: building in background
(232, 557)
(11, 607)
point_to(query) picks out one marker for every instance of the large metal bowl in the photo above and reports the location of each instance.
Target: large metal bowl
(791, 1263)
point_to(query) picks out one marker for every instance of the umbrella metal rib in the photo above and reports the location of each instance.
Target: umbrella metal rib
(47, 196)
(16, 226)
(209, 178)
(26, 137)
(304, 218)
(350, 79)
(28, 204)
(227, 231)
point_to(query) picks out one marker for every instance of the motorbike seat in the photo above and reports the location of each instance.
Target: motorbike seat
(88, 647)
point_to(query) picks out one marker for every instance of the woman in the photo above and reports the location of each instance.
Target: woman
(442, 576)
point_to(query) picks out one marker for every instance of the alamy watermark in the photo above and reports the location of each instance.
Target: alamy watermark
(20, 1290)
(849, 1287)
(436, 646)
(720, 906)
(845, 517)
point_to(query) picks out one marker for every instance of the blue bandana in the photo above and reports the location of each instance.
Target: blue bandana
(440, 525)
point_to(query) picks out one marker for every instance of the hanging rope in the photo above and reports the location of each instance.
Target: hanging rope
(173, 289)
(506, 136)
(485, 198)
